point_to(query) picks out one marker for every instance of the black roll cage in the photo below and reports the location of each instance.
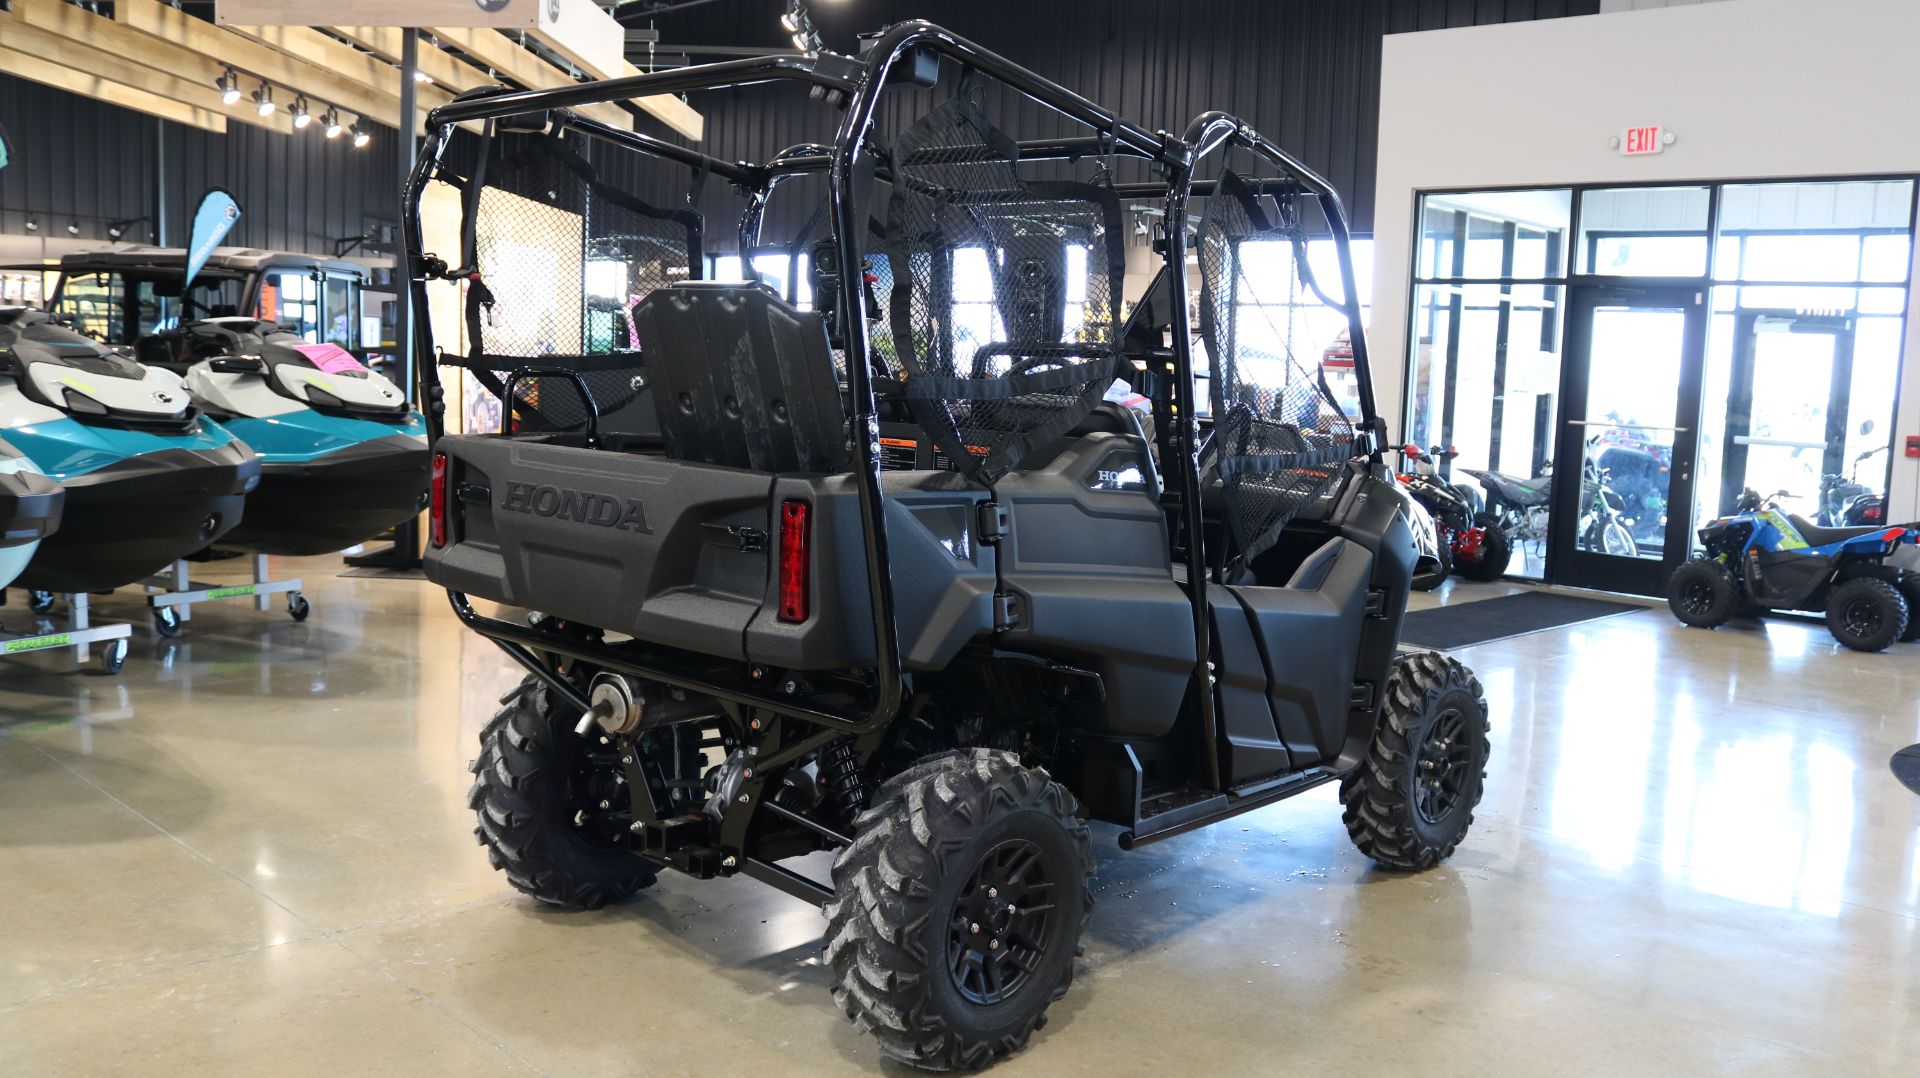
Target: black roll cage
(861, 82)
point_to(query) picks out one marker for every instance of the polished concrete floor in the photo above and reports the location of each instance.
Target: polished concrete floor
(249, 854)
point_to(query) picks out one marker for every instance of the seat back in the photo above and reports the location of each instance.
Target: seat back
(741, 379)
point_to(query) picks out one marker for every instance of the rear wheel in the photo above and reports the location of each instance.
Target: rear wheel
(1411, 801)
(548, 802)
(1496, 551)
(959, 909)
(1911, 593)
(1701, 594)
(1866, 613)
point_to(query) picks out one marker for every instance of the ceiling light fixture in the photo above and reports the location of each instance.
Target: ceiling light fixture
(33, 224)
(263, 99)
(800, 29)
(330, 120)
(229, 86)
(360, 137)
(421, 76)
(73, 228)
(301, 117)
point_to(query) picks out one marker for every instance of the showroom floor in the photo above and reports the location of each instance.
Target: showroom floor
(250, 853)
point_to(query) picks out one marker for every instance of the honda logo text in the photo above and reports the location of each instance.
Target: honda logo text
(580, 505)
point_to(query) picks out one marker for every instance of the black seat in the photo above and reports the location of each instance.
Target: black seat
(1815, 535)
(741, 379)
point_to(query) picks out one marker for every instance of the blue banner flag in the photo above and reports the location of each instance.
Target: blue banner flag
(211, 222)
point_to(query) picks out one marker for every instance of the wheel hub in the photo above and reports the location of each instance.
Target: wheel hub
(1862, 618)
(1442, 766)
(1001, 922)
(1698, 597)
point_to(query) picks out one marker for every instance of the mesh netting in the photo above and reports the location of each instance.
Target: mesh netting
(1279, 436)
(1004, 291)
(564, 258)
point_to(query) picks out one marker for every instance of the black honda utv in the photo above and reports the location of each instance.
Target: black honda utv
(867, 555)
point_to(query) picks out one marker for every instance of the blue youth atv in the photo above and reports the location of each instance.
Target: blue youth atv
(1866, 579)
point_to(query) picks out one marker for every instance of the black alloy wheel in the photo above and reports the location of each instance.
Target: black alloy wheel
(1001, 923)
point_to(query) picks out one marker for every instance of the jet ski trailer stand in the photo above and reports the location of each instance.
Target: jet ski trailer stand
(172, 595)
(81, 634)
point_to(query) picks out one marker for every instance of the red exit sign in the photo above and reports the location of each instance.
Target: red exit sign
(1635, 141)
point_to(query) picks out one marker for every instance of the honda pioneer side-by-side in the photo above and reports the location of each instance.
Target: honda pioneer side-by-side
(922, 546)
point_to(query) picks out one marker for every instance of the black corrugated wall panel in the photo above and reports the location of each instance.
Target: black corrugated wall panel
(1306, 72)
(77, 157)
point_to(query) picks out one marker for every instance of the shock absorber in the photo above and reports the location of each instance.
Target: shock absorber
(840, 770)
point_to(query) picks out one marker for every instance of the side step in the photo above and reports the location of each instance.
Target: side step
(1207, 810)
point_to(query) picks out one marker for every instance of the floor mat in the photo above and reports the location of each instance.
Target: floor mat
(1906, 767)
(1466, 624)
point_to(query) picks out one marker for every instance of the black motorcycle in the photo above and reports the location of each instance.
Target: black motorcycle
(1846, 502)
(1520, 510)
(1465, 545)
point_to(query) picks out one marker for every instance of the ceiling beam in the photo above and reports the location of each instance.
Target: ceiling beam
(23, 37)
(93, 44)
(178, 28)
(448, 71)
(315, 49)
(510, 59)
(32, 67)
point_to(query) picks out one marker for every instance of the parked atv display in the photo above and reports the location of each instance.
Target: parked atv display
(894, 579)
(1762, 559)
(1467, 542)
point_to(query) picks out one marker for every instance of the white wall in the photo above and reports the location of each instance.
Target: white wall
(1610, 6)
(1753, 89)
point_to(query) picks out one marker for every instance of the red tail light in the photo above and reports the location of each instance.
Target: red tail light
(795, 562)
(1872, 512)
(437, 510)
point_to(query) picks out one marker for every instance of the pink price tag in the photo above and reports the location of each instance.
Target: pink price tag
(329, 357)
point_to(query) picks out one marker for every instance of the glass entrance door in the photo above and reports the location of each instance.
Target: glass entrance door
(1787, 408)
(1624, 467)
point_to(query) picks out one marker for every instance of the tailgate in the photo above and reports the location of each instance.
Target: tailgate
(658, 549)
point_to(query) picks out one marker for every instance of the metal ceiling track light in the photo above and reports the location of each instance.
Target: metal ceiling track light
(229, 86)
(799, 27)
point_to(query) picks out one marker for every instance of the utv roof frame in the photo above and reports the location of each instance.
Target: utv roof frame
(862, 80)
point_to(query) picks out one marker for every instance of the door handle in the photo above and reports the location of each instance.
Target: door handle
(1743, 439)
(1623, 426)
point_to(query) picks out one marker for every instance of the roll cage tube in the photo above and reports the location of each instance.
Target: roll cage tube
(1211, 131)
(863, 80)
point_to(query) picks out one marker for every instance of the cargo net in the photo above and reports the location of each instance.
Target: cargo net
(563, 260)
(1002, 292)
(1279, 435)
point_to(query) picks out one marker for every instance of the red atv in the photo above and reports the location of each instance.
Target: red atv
(1467, 545)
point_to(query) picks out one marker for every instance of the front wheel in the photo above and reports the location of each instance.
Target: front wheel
(959, 909)
(1411, 801)
(1438, 573)
(1617, 541)
(1866, 613)
(1701, 594)
(548, 802)
(1496, 552)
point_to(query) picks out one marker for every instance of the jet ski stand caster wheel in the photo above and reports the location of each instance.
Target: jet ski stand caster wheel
(297, 606)
(40, 602)
(113, 657)
(166, 621)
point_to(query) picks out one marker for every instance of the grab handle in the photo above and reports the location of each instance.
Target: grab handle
(579, 383)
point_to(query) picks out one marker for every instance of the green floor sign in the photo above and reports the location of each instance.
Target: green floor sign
(35, 643)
